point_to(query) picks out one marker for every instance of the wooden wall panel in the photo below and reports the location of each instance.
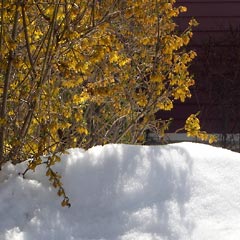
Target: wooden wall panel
(215, 18)
(216, 69)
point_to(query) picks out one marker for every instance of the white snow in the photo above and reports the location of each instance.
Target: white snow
(183, 191)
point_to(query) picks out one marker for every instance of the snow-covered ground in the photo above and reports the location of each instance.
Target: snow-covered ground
(183, 191)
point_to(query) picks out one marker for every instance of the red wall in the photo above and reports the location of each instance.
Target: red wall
(217, 43)
(215, 17)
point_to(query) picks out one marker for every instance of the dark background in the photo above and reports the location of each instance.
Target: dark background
(216, 69)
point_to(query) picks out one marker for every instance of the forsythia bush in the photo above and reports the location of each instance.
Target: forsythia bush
(87, 72)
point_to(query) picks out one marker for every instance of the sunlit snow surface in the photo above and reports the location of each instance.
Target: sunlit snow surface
(181, 191)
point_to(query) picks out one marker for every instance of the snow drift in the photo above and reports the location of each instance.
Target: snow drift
(121, 192)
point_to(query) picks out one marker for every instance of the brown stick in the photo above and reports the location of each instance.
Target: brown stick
(3, 113)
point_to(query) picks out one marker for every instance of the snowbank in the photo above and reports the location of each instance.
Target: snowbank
(121, 192)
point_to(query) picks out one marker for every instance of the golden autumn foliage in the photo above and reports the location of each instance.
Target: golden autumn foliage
(81, 73)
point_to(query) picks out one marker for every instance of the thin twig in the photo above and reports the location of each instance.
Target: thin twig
(8, 73)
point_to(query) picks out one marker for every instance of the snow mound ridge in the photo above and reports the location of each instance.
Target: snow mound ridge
(123, 192)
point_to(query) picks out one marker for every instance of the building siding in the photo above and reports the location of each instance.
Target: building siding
(217, 43)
